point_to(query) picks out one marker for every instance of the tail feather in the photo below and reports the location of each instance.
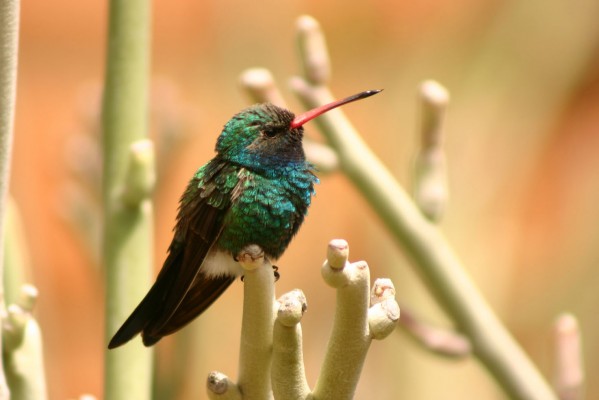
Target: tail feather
(200, 296)
(150, 305)
(154, 317)
(181, 291)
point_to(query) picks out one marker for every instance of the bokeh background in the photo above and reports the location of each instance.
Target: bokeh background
(522, 145)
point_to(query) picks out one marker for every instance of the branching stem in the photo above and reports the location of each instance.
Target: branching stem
(430, 252)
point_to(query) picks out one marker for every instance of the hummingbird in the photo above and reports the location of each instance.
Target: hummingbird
(256, 190)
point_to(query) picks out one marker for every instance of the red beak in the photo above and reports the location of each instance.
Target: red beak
(315, 112)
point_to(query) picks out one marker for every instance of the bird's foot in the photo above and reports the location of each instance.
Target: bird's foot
(249, 255)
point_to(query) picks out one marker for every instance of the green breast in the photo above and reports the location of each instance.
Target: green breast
(267, 211)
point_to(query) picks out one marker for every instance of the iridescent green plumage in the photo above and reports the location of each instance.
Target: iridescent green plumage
(262, 208)
(256, 190)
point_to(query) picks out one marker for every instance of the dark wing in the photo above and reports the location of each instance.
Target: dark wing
(180, 292)
(202, 294)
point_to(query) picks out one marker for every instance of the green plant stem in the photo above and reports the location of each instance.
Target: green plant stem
(127, 227)
(288, 373)
(350, 338)
(25, 365)
(9, 39)
(23, 350)
(430, 252)
(255, 350)
(17, 269)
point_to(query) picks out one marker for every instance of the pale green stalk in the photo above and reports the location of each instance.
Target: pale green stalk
(17, 269)
(430, 252)
(9, 39)
(25, 366)
(422, 241)
(360, 316)
(288, 372)
(128, 237)
(221, 387)
(271, 356)
(23, 351)
(255, 350)
(430, 187)
(350, 339)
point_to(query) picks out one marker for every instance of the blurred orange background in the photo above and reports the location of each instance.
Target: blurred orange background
(522, 146)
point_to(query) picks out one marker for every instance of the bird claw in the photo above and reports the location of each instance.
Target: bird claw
(249, 254)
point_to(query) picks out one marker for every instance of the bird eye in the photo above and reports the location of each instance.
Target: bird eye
(270, 133)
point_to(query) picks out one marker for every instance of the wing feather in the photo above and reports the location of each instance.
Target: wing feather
(181, 292)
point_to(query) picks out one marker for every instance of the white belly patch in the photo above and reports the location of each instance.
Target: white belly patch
(220, 263)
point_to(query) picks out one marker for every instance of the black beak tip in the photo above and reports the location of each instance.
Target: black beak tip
(367, 93)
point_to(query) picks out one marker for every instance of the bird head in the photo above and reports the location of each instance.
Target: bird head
(264, 136)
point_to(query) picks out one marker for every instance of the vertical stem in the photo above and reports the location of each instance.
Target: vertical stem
(288, 374)
(255, 351)
(9, 39)
(350, 339)
(569, 363)
(127, 227)
(15, 258)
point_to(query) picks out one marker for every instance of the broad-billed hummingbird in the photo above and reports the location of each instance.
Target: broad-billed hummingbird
(256, 190)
